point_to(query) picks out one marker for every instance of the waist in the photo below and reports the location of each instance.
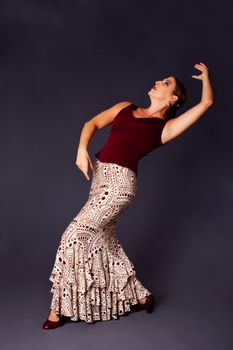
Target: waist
(117, 159)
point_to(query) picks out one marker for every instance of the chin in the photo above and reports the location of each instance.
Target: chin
(150, 93)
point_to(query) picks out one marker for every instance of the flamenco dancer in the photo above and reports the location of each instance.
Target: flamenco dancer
(92, 277)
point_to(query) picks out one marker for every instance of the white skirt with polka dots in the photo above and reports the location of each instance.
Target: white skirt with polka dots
(93, 279)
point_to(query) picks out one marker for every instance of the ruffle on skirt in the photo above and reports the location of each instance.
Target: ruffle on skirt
(100, 286)
(93, 279)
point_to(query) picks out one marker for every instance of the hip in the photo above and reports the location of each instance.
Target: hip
(117, 178)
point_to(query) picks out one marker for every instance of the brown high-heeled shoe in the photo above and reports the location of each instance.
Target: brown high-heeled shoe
(48, 324)
(149, 303)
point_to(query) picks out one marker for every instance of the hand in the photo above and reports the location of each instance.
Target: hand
(82, 162)
(202, 67)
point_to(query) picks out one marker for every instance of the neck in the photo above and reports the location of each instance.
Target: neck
(154, 110)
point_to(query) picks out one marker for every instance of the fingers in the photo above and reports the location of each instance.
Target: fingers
(91, 165)
(82, 163)
(85, 171)
(201, 65)
(196, 76)
(198, 65)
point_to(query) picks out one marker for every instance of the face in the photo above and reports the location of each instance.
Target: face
(162, 90)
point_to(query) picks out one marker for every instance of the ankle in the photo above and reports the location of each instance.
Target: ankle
(142, 301)
(53, 315)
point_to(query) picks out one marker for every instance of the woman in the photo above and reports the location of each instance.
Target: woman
(93, 279)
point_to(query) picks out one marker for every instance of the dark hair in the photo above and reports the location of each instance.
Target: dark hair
(181, 92)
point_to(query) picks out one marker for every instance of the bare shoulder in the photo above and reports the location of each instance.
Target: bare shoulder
(107, 116)
(120, 105)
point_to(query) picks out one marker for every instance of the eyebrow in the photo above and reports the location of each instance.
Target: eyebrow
(168, 80)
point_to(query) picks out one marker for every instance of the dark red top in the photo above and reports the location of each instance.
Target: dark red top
(131, 138)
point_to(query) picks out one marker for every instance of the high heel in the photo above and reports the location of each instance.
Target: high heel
(149, 303)
(48, 324)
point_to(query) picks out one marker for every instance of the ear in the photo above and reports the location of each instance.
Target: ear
(173, 99)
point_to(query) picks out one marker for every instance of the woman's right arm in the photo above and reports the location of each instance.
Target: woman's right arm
(99, 121)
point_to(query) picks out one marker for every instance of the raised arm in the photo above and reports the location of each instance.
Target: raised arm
(176, 126)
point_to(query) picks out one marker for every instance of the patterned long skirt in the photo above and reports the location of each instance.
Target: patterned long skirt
(93, 279)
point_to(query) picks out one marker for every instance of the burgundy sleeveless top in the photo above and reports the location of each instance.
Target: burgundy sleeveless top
(131, 138)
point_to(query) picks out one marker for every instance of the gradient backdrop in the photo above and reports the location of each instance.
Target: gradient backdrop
(62, 62)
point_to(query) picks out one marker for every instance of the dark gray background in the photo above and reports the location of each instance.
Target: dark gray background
(63, 62)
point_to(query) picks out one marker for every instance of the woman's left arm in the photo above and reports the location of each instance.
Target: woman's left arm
(176, 126)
